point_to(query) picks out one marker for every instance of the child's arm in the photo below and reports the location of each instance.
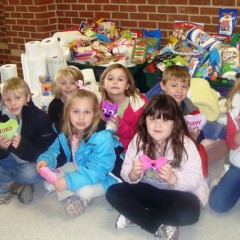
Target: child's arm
(49, 157)
(232, 135)
(93, 167)
(42, 136)
(137, 170)
(132, 169)
(189, 175)
(40, 164)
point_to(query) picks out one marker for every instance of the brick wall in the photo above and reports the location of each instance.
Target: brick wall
(26, 20)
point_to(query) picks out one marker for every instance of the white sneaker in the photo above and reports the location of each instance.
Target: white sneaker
(167, 232)
(123, 222)
(49, 188)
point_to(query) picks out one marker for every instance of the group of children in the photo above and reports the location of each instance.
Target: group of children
(81, 149)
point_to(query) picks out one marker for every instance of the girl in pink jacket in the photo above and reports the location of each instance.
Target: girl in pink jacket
(160, 195)
(117, 86)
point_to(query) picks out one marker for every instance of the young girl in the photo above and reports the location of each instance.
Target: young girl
(160, 200)
(64, 85)
(117, 85)
(84, 153)
(225, 195)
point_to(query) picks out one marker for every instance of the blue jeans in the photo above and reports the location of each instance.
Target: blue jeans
(214, 130)
(13, 171)
(224, 196)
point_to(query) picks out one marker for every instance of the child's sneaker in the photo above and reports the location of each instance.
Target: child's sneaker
(123, 222)
(167, 232)
(76, 205)
(23, 191)
(49, 188)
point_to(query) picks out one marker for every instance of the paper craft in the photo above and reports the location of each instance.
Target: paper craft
(8, 129)
(195, 122)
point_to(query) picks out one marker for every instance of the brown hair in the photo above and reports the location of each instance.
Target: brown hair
(16, 84)
(176, 73)
(234, 90)
(163, 106)
(67, 127)
(70, 72)
(131, 91)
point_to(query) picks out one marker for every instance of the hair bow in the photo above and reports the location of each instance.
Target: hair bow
(80, 85)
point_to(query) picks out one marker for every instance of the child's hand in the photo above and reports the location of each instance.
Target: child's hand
(167, 174)
(116, 120)
(137, 170)
(5, 142)
(40, 164)
(16, 140)
(60, 184)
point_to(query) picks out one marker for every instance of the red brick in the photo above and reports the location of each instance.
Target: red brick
(89, 15)
(223, 2)
(201, 2)
(128, 24)
(165, 26)
(75, 7)
(21, 9)
(145, 9)
(209, 11)
(179, 2)
(121, 15)
(188, 10)
(138, 16)
(117, 1)
(137, 1)
(172, 18)
(163, 9)
(23, 22)
(103, 14)
(103, 1)
(157, 17)
(15, 2)
(147, 24)
(28, 15)
(210, 28)
(111, 8)
(157, 2)
(94, 7)
(205, 19)
(128, 8)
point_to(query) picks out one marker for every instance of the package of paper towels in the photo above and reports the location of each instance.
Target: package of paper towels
(8, 71)
(64, 38)
(50, 47)
(54, 64)
(33, 48)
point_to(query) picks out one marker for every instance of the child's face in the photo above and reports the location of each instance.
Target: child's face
(159, 129)
(116, 82)
(66, 87)
(14, 101)
(176, 89)
(81, 113)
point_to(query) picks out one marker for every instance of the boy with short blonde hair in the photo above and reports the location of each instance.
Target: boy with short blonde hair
(19, 153)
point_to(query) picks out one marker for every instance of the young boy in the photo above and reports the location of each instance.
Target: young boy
(34, 135)
(176, 82)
